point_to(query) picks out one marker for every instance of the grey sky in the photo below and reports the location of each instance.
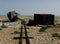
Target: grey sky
(29, 7)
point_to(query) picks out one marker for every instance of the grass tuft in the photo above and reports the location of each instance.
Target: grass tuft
(44, 28)
(55, 35)
(16, 32)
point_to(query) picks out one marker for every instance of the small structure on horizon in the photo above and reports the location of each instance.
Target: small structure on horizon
(12, 16)
(44, 19)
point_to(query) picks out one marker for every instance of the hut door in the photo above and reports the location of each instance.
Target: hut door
(44, 20)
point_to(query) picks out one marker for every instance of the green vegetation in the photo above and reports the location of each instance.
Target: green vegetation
(23, 21)
(16, 32)
(55, 35)
(44, 28)
(3, 26)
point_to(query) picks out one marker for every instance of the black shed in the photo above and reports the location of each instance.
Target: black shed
(44, 19)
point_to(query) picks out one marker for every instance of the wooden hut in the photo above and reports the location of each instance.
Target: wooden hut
(44, 19)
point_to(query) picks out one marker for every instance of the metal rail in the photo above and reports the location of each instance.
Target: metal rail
(27, 38)
(21, 36)
(20, 39)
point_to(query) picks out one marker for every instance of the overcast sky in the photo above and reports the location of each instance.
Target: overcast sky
(29, 7)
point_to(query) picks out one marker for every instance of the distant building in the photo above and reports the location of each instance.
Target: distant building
(44, 19)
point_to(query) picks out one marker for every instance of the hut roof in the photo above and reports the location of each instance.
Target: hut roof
(43, 14)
